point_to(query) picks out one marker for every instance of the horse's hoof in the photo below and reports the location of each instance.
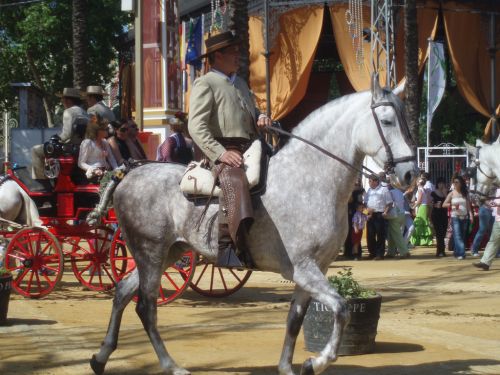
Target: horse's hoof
(97, 366)
(307, 367)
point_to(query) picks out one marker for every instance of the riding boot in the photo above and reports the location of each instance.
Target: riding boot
(226, 257)
(242, 245)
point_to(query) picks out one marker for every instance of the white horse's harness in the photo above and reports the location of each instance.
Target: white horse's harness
(391, 162)
(472, 173)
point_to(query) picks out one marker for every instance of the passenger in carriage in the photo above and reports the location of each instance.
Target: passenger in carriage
(96, 155)
(73, 130)
(96, 106)
(118, 141)
(134, 145)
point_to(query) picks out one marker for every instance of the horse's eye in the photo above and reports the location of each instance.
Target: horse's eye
(386, 122)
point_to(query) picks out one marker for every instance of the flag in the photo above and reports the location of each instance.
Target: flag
(436, 80)
(194, 43)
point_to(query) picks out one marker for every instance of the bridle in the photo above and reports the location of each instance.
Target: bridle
(472, 173)
(391, 162)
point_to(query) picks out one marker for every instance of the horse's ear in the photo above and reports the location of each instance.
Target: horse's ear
(479, 143)
(470, 149)
(376, 90)
(399, 90)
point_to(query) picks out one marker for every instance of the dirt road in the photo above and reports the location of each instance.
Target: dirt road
(439, 316)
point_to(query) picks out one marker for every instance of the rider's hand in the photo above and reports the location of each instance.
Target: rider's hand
(231, 158)
(264, 121)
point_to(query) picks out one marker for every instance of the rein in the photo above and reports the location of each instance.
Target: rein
(391, 162)
(327, 153)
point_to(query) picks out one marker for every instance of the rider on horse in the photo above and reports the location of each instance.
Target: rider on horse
(222, 123)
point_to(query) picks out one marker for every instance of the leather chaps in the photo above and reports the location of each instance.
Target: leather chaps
(235, 202)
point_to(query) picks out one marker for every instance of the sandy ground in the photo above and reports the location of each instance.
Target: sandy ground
(439, 316)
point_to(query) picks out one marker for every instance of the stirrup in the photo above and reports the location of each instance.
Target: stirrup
(227, 258)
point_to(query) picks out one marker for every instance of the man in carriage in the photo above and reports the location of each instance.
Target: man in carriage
(96, 105)
(223, 120)
(75, 120)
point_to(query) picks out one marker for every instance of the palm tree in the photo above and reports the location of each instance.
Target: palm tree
(411, 65)
(238, 23)
(79, 20)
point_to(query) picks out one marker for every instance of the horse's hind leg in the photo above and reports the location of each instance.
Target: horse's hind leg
(150, 278)
(298, 308)
(124, 292)
(310, 278)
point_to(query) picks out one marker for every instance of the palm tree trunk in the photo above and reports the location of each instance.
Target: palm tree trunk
(39, 83)
(238, 23)
(79, 43)
(411, 65)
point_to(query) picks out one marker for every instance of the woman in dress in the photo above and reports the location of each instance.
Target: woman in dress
(95, 155)
(177, 148)
(422, 235)
(439, 215)
(461, 212)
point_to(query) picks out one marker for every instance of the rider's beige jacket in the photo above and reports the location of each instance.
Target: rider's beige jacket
(219, 108)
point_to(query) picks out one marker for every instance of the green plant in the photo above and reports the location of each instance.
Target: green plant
(345, 284)
(4, 272)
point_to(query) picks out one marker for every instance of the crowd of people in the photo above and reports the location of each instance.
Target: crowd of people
(441, 215)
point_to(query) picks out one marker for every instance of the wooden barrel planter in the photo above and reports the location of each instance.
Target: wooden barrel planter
(359, 335)
(5, 287)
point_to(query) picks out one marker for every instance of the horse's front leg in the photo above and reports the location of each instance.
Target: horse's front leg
(125, 290)
(150, 278)
(309, 277)
(298, 308)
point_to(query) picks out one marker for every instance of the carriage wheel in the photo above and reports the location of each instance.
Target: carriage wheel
(212, 281)
(90, 259)
(36, 261)
(175, 279)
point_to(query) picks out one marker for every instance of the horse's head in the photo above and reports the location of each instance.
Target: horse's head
(484, 168)
(386, 137)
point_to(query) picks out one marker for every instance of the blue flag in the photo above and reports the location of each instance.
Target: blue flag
(193, 50)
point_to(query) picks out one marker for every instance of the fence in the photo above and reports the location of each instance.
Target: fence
(443, 160)
(6, 124)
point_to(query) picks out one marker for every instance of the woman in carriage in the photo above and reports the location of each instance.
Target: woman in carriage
(96, 155)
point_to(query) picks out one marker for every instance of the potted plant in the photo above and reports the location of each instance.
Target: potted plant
(359, 335)
(5, 287)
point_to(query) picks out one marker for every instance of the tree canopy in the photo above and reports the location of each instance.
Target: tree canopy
(36, 45)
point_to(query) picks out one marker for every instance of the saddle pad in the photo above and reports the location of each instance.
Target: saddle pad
(198, 180)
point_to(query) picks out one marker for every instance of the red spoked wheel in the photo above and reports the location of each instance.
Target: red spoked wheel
(212, 281)
(90, 258)
(36, 261)
(175, 279)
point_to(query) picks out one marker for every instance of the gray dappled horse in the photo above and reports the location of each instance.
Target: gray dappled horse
(484, 169)
(300, 222)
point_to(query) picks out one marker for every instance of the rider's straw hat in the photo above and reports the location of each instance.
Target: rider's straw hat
(70, 92)
(95, 90)
(219, 41)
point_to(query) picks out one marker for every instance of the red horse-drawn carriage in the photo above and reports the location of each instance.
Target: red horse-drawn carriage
(98, 256)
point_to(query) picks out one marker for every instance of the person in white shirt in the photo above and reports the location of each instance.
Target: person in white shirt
(378, 201)
(96, 155)
(73, 129)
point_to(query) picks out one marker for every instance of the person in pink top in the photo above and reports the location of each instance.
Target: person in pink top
(494, 243)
